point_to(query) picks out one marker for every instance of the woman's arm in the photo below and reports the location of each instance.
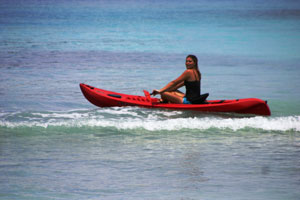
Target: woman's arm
(176, 87)
(175, 84)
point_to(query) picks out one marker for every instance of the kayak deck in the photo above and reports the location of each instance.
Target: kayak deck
(104, 98)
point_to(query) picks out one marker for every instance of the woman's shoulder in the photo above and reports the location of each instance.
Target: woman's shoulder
(189, 71)
(192, 74)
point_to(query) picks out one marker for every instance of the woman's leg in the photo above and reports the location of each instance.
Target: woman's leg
(173, 97)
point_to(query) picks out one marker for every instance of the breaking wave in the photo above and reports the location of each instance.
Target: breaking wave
(137, 118)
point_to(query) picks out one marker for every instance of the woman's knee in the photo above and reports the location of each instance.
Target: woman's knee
(165, 95)
(171, 97)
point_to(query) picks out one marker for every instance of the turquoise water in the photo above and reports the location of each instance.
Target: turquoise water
(55, 145)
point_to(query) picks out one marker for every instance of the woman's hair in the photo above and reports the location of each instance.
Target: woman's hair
(195, 59)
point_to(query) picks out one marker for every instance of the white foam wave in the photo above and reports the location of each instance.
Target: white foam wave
(154, 123)
(134, 111)
(61, 115)
(269, 124)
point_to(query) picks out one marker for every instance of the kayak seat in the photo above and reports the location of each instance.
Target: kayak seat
(201, 99)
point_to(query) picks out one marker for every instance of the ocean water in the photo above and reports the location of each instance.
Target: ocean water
(54, 144)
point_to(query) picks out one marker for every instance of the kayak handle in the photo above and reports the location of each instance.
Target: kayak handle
(115, 95)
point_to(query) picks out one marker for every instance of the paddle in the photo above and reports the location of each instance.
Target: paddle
(147, 95)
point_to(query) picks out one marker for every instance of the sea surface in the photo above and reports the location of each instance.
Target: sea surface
(54, 144)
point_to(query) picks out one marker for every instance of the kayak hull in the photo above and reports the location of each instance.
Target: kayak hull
(104, 98)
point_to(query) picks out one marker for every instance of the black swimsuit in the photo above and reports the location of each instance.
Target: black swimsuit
(193, 89)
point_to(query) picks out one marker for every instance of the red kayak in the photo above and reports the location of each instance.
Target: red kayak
(104, 98)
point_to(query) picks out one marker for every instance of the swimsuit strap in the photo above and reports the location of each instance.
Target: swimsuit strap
(195, 76)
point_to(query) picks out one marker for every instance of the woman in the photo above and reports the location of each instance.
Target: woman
(190, 78)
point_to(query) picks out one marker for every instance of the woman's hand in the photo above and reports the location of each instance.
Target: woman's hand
(155, 92)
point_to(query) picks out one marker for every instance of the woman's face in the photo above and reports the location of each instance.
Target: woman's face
(189, 63)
